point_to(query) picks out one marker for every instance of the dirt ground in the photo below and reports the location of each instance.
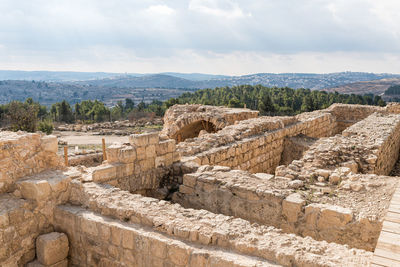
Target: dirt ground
(82, 138)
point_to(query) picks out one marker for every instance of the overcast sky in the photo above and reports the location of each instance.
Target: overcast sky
(209, 36)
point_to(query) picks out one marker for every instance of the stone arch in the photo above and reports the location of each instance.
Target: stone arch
(193, 129)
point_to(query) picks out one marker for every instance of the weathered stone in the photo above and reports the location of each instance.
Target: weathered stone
(292, 207)
(37, 190)
(52, 248)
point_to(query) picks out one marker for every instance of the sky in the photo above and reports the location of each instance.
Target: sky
(231, 37)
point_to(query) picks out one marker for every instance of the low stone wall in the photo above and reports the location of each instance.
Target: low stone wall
(294, 148)
(263, 199)
(98, 240)
(384, 132)
(369, 146)
(24, 154)
(141, 165)
(202, 228)
(346, 115)
(262, 152)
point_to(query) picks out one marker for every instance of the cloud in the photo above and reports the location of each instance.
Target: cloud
(136, 34)
(225, 9)
(160, 10)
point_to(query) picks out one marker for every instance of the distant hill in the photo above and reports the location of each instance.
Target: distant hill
(376, 87)
(292, 80)
(54, 76)
(48, 93)
(49, 87)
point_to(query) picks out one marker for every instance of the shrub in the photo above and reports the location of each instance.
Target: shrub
(46, 127)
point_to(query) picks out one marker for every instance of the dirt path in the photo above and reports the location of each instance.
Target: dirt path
(79, 138)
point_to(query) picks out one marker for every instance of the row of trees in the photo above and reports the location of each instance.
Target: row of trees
(273, 101)
(30, 115)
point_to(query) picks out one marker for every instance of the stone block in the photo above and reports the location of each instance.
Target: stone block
(292, 207)
(153, 138)
(49, 143)
(159, 161)
(178, 255)
(147, 164)
(138, 140)
(127, 154)
(141, 152)
(162, 148)
(150, 151)
(144, 139)
(334, 216)
(36, 263)
(104, 173)
(35, 189)
(113, 152)
(52, 248)
(190, 179)
(186, 190)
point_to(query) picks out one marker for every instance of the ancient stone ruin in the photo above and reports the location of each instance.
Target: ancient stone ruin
(216, 187)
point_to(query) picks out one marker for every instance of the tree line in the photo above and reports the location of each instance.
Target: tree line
(273, 100)
(31, 116)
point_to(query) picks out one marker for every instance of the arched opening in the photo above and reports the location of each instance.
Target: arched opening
(192, 130)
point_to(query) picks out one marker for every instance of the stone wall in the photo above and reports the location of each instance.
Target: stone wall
(194, 227)
(260, 149)
(266, 200)
(98, 240)
(140, 165)
(369, 146)
(346, 115)
(384, 132)
(28, 212)
(178, 117)
(294, 148)
(24, 154)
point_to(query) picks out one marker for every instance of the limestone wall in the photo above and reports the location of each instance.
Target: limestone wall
(369, 146)
(346, 115)
(98, 240)
(24, 154)
(191, 226)
(179, 117)
(28, 212)
(140, 165)
(384, 132)
(263, 199)
(262, 151)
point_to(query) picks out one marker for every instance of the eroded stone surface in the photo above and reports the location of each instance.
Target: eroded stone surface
(52, 248)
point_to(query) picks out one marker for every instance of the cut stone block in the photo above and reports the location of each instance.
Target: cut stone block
(292, 207)
(35, 189)
(36, 263)
(52, 248)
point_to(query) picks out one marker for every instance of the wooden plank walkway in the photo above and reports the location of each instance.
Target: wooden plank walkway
(387, 251)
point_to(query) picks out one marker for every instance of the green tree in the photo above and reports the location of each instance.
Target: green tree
(23, 117)
(265, 105)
